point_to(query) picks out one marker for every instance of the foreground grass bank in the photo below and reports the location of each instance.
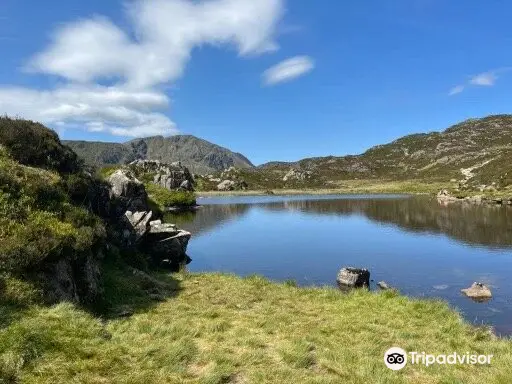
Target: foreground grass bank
(216, 328)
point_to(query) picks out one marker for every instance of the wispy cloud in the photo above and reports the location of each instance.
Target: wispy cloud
(288, 69)
(456, 89)
(88, 52)
(487, 79)
(484, 79)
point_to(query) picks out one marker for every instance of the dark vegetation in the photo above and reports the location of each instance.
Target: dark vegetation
(33, 144)
(46, 210)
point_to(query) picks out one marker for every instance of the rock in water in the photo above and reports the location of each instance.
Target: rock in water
(353, 278)
(383, 285)
(478, 292)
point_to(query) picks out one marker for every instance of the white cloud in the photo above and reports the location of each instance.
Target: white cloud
(455, 90)
(288, 70)
(484, 79)
(95, 108)
(154, 52)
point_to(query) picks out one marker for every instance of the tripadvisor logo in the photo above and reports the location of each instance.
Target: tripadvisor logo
(396, 358)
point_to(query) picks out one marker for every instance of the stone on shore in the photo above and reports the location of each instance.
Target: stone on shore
(353, 278)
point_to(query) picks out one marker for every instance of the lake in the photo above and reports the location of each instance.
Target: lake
(421, 247)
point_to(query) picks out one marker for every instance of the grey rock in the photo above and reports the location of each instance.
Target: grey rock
(186, 185)
(226, 185)
(128, 192)
(138, 223)
(478, 292)
(171, 176)
(297, 175)
(76, 281)
(383, 285)
(353, 278)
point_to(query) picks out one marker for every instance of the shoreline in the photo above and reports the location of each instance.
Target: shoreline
(347, 187)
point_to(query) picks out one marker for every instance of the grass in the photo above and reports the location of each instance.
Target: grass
(223, 329)
(165, 198)
(351, 187)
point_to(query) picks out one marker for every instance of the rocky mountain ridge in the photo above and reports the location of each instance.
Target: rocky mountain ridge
(473, 152)
(199, 155)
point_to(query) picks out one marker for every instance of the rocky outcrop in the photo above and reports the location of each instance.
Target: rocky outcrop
(297, 175)
(350, 277)
(77, 281)
(127, 192)
(166, 244)
(478, 292)
(444, 197)
(171, 176)
(230, 185)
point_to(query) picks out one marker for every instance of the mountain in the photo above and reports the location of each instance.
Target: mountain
(199, 155)
(475, 150)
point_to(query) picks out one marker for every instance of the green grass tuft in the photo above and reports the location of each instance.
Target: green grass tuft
(220, 328)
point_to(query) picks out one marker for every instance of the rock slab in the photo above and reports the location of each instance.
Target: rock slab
(353, 278)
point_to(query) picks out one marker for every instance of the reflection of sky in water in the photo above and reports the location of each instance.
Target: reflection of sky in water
(311, 242)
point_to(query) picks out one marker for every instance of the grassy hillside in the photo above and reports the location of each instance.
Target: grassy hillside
(479, 150)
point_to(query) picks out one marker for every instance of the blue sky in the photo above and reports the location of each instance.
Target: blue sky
(272, 79)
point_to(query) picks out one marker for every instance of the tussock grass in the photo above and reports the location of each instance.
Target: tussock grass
(225, 329)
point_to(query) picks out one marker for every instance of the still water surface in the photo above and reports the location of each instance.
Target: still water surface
(421, 247)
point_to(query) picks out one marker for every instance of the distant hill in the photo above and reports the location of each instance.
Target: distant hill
(476, 150)
(199, 155)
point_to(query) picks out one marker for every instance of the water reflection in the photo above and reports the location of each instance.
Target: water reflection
(208, 217)
(469, 223)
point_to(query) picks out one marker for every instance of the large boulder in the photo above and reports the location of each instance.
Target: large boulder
(297, 175)
(128, 192)
(226, 185)
(353, 278)
(167, 244)
(478, 292)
